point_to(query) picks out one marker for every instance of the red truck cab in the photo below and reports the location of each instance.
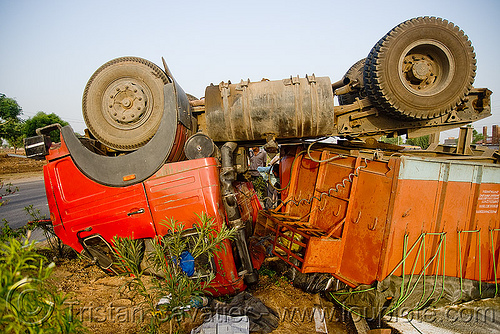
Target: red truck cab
(87, 215)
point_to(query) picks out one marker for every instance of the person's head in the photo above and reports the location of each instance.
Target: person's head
(255, 150)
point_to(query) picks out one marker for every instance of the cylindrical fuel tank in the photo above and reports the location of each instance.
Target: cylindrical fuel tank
(289, 108)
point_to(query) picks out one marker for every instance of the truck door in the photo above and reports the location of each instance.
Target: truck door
(81, 208)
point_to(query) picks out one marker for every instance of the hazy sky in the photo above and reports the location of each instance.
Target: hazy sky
(49, 49)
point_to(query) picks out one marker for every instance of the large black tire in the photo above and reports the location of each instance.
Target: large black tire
(123, 102)
(354, 73)
(421, 69)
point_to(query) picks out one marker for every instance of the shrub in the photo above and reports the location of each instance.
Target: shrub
(27, 303)
(176, 289)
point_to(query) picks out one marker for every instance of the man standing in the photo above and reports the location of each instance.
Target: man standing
(258, 159)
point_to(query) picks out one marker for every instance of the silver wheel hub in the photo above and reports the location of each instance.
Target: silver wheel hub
(125, 103)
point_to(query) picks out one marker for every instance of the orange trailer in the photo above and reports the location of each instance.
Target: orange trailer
(362, 219)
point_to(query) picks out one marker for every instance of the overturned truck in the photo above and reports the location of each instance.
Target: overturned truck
(358, 209)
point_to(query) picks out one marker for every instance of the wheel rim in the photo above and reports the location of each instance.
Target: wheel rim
(125, 104)
(426, 67)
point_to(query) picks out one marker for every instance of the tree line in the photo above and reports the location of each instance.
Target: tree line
(14, 129)
(424, 141)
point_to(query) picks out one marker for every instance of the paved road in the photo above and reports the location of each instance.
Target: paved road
(29, 193)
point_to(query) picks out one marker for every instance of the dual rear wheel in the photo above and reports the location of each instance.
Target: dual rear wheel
(421, 69)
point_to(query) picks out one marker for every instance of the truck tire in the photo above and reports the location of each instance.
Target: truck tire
(354, 73)
(421, 69)
(123, 102)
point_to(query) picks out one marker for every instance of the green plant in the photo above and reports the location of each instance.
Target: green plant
(27, 302)
(7, 232)
(476, 136)
(266, 271)
(176, 289)
(38, 220)
(423, 141)
(392, 140)
(10, 123)
(9, 190)
(275, 277)
(260, 186)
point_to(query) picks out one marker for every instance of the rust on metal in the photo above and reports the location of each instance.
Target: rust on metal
(366, 218)
(290, 108)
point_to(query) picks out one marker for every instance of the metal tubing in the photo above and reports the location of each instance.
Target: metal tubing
(340, 83)
(227, 176)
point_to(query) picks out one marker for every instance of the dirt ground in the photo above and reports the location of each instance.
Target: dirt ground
(104, 306)
(14, 168)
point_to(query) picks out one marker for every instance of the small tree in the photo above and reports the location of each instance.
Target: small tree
(476, 136)
(165, 259)
(393, 140)
(12, 131)
(10, 123)
(9, 109)
(40, 120)
(423, 141)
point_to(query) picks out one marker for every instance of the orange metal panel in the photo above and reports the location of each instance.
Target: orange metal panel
(287, 155)
(414, 209)
(456, 199)
(365, 225)
(322, 255)
(76, 202)
(452, 217)
(332, 192)
(182, 190)
(302, 185)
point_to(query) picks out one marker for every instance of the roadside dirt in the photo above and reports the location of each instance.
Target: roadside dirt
(16, 168)
(105, 306)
